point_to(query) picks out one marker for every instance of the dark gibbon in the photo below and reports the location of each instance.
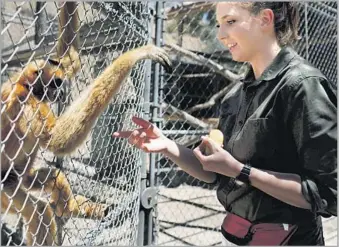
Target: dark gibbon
(28, 122)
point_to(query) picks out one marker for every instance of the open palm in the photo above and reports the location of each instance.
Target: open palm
(148, 138)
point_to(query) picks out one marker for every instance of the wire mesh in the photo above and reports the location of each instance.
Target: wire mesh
(103, 169)
(188, 212)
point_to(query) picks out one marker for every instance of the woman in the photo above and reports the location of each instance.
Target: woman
(277, 171)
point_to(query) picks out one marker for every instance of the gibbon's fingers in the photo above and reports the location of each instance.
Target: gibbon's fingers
(160, 55)
(166, 62)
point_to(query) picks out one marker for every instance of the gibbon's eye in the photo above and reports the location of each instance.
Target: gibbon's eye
(217, 26)
(38, 73)
(56, 83)
(230, 22)
(54, 62)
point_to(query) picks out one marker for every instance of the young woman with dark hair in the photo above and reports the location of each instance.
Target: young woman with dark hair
(277, 169)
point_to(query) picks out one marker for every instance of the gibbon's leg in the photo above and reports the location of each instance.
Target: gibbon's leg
(37, 215)
(66, 204)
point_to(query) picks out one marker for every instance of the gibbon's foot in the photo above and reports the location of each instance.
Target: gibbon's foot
(116, 216)
(108, 210)
(160, 55)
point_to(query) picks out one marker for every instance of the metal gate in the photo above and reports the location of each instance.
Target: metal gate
(187, 211)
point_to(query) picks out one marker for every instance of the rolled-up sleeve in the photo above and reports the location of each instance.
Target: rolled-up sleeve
(312, 117)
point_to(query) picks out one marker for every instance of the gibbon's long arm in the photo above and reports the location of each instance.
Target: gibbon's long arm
(72, 127)
(68, 40)
(68, 28)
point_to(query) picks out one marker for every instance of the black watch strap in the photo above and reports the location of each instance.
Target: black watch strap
(244, 175)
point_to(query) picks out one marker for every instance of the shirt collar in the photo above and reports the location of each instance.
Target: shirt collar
(285, 55)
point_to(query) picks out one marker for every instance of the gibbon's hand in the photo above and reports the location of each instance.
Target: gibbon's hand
(147, 138)
(218, 159)
(160, 55)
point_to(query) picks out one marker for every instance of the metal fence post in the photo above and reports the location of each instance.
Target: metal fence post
(141, 238)
(146, 195)
(148, 184)
(157, 87)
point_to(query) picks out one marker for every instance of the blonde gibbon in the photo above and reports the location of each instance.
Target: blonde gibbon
(27, 123)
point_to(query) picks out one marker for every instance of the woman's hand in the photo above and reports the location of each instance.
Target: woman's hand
(147, 138)
(219, 160)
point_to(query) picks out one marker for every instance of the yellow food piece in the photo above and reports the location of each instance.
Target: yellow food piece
(217, 136)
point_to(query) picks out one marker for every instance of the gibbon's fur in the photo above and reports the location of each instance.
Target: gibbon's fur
(28, 122)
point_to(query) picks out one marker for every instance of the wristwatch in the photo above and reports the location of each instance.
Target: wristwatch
(244, 174)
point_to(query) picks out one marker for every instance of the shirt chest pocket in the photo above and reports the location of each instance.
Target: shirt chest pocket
(256, 140)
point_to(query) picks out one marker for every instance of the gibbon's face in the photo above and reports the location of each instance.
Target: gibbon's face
(238, 30)
(46, 79)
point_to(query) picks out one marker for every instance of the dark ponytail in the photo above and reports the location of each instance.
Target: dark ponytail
(287, 23)
(286, 19)
(294, 20)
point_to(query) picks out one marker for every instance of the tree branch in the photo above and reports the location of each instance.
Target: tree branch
(212, 100)
(206, 62)
(172, 110)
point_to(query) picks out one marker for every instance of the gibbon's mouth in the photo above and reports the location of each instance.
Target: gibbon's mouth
(55, 95)
(55, 91)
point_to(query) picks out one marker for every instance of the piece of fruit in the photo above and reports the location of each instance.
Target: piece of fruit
(217, 136)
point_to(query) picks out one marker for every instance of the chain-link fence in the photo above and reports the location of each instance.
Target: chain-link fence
(188, 212)
(104, 170)
(184, 104)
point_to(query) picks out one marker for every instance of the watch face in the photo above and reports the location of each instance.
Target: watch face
(238, 182)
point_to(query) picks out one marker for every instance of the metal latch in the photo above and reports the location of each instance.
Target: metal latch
(148, 198)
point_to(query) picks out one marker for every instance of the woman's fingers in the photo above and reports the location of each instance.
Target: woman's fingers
(127, 133)
(140, 141)
(122, 134)
(142, 122)
(141, 137)
(143, 134)
(134, 137)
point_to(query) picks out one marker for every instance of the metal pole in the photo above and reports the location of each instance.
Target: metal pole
(144, 160)
(142, 237)
(155, 112)
(41, 22)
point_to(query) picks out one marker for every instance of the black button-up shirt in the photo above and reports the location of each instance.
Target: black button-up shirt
(285, 121)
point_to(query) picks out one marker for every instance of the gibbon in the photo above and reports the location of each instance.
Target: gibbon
(28, 122)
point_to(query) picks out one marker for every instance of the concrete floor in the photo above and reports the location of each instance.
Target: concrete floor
(192, 216)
